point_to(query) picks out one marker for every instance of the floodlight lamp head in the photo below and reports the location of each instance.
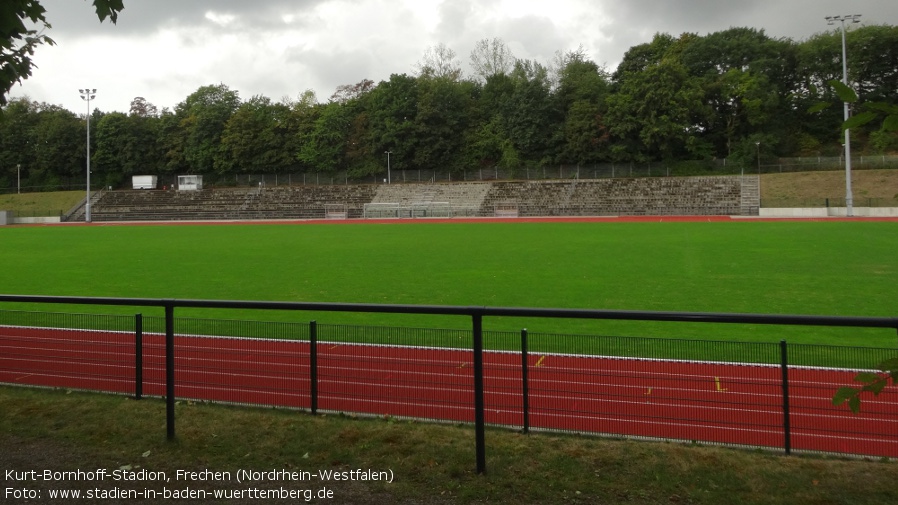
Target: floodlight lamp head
(855, 18)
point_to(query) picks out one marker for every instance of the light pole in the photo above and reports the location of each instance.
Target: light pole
(758, 155)
(18, 178)
(388, 153)
(854, 18)
(88, 94)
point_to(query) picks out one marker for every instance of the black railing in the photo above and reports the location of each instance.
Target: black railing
(544, 390)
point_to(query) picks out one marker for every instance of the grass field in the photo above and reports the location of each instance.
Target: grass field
(819, 268)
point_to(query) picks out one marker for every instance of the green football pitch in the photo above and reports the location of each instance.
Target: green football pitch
(753, 266)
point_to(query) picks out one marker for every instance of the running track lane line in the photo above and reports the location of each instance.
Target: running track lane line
(708, 402)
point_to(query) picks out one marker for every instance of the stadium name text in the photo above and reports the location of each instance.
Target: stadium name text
(240, 476)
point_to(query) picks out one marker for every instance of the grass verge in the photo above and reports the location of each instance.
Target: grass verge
(64, 430)
(41, 204)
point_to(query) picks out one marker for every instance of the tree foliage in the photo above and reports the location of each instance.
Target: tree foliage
(203, 116)
(672, 98)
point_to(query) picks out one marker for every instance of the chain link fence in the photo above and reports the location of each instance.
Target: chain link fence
(546, 172)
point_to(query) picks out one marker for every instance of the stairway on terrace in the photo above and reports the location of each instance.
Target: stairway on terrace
(750, 200)
(465, 198)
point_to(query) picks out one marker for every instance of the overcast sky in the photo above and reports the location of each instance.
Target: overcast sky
(164, 50)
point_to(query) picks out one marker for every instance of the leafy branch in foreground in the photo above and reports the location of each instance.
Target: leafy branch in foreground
(871, 110)
(872, 383)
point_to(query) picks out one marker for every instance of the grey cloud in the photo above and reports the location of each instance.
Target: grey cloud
(342, 67)
(392, 43)
(142, 16)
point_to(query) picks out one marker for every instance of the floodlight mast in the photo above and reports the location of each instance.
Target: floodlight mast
(831, 20)
(88, 94)
(388, 153)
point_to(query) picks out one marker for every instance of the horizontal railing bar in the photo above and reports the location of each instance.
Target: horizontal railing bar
(558, 313)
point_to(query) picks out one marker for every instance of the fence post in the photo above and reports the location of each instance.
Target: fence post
(138, 356)
(313, 366)
(479, 419)
(525, 387)
(170, 370)
(787, 428)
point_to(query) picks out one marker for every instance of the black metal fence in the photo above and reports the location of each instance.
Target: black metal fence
(749, 394)
(544, 172)
(551, 172)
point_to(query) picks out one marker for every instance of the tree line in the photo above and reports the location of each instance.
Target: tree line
(735, 94)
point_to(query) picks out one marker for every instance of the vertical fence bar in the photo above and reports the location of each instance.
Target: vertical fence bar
(170, 370)
(313, 366)
(479, 418)
(525, 383)
(138, 356)
(787, 427)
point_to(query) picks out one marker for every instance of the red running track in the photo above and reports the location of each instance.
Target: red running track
(703, 402)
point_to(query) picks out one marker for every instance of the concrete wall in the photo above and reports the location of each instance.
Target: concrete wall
(8, 217)
(36, 220)
(830, 212)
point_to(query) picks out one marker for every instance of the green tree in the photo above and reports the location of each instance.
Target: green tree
(586, 137)
(392, 115)
(304, 113)
(16, 141)
(171, 140)
(18, 42)
(114, 140)
(441, 122)
(583, 88)
(324, 147)
(657, 113)
(260, 137)
(488, 146)
(59, 144)
(747, 79)
(126, 145)
(529, 114)
(640, 57)
(203, 116)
